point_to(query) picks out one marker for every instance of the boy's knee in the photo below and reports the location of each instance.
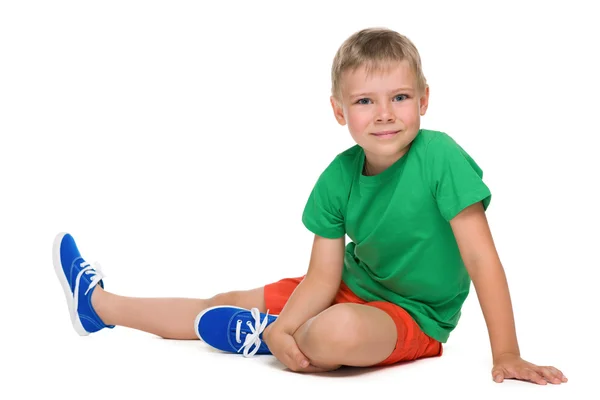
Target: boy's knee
(247, 299)
(222, 299)
(333, 329)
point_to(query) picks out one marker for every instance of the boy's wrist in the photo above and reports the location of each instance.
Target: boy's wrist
(282, 325)
(274, 329)
(310, 298)
(506, 354)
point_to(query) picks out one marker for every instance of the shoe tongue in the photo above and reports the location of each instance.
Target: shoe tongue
(86, 277)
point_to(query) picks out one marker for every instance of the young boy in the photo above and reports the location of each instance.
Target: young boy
(413, 203)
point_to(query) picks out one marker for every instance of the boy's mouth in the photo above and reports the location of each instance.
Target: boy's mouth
(385, 134)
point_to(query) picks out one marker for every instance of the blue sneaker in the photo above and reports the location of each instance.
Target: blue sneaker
(234, 329)
(78, 279)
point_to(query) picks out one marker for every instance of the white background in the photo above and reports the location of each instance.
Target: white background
(178, 142)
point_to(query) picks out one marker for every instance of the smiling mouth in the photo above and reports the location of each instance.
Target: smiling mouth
(385, 134)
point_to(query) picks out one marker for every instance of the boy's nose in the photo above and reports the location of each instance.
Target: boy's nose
(385, 114)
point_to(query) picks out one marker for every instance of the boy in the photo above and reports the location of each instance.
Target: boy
(413, 203)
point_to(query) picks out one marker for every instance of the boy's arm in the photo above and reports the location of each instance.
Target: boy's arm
(313, 295)
(481, 259)
(318, 289)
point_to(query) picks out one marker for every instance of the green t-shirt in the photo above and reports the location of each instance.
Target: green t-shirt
(402, 248)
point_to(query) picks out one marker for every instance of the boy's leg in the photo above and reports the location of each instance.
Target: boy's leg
(347, 334)
(239, 329)
(92, 308)
(364, 334)
(170, 318)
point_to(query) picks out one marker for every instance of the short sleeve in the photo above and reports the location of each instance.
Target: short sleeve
(455, 179)
(324, 211)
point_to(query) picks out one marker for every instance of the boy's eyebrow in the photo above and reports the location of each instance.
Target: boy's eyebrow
(402, 89)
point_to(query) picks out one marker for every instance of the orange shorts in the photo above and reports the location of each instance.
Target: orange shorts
(412, 343)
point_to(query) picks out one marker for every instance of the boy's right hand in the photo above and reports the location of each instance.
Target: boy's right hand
(284, 347)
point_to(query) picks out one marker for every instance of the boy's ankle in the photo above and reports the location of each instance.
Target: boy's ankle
(98, 300)
(97, 295)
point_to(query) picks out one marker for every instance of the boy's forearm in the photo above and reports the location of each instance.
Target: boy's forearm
(310, 298)
(494, 298)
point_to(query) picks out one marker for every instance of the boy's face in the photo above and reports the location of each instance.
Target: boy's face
(383, 110)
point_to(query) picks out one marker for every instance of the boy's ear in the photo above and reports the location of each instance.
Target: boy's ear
(424, 101)
(338, 111)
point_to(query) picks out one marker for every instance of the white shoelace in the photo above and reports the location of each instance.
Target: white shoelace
(254, 337)
(96, 277)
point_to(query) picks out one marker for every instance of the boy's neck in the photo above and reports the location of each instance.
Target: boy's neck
(375, 166)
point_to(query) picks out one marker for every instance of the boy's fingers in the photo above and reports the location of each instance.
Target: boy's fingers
(498, 377)
(297, 359)
(300, 359)
(498, 374)
(534, 377)
(558, 374)
(551, 374)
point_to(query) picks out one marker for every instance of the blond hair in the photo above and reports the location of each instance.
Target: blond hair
(375, 49)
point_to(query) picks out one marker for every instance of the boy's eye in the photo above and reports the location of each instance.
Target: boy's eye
(365, 100)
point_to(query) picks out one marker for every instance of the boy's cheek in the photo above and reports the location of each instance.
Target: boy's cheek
(357, 123)
(409, 119)
(358, 133)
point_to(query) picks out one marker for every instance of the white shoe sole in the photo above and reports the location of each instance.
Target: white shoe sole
(65, 285)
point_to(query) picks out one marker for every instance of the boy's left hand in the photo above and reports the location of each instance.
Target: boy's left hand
(512, 366)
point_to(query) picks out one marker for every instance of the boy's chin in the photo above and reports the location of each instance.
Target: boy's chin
(386, 150)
